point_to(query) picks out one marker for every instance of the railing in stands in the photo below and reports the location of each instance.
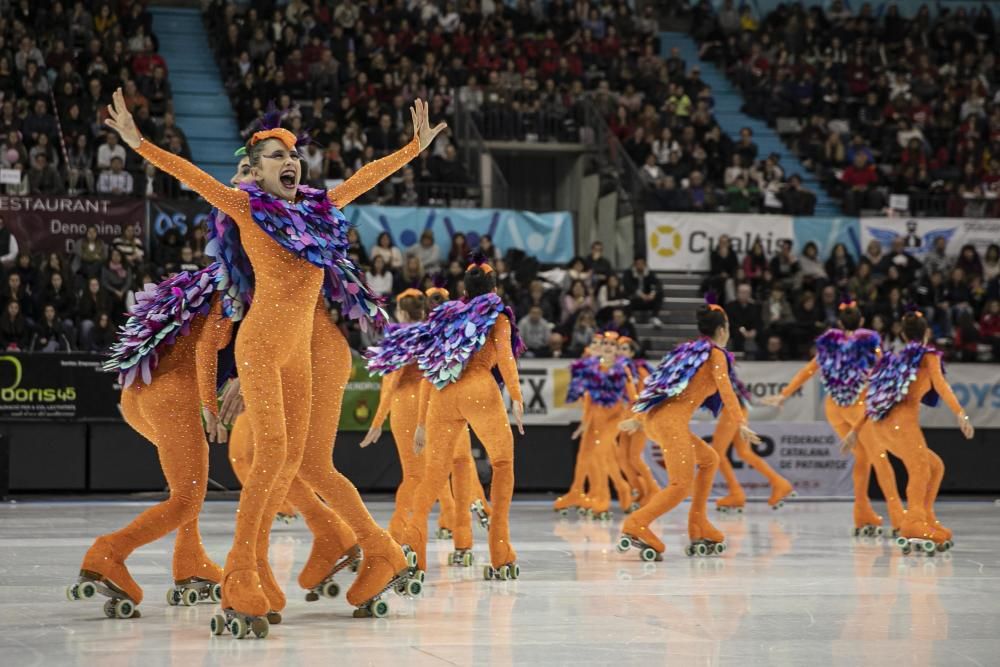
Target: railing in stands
(951, 205)
(473, 153)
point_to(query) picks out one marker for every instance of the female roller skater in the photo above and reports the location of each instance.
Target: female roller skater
(295, 241)
(172, 337)
(844, 359)
(460, 345)
(694, 374)
(632, 445)
(576, 496)
(899, 383)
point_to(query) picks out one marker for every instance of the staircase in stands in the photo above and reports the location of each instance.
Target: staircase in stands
(681, 299)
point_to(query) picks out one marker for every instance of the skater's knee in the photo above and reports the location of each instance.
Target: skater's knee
(503, 466)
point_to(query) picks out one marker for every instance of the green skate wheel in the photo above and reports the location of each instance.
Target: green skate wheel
(624, 544)
(172, 599)
(124, 609)
(330, 589)
(189, 597)
(467, 559)
(87, 590)
(215, 593)
(238, 628)
(720, 548)
(878, 532)
(648, 554)
(701, 550)
(928, 546)
(411, 558)
(71, 593)
(414, 588)
(487, 572)
(260, 628)
(380, 609)
(902, 541)
(504, 573)
(515, 571)
(217, 625)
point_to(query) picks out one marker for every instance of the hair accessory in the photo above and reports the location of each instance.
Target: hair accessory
(240, 152)
(844, 305)
(611, 335)
(409, 292)
(712, 301)
(624, 340)
(279, 133)
(716, 307)
(432, 291)
(479, 259)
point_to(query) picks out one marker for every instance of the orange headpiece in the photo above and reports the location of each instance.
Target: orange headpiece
(715, 306)
(847, 304)
(484, 266)
(624, 340)
(279, 133)
(437, 291)
(611, 336)
(411, 292)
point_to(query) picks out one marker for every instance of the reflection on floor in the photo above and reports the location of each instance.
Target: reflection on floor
(793, 588)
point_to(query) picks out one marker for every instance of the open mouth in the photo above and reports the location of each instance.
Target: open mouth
(287, 178)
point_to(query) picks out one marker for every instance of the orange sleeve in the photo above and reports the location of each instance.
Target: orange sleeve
(803, 376)
(505, 357)
(424, 399)
(214, 336)
(389, 383)
(631, 385)
(941, 386)
(372, 174)
(229, 200)
(720, 375)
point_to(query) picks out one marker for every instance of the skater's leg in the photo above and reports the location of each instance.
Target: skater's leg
(873, 438)
(241, 454)
(491, 425)
(463, 471)
(934, 485)
(404, 423)
(722, 438)
(636, 447)
(842, 421)
(446, 501)
(707, 461)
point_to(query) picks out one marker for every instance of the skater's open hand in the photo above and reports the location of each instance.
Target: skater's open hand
(232, 402)
(773, 401)
(966, 426)
(629, 425)
(120, 120)
(850, 440)
(213, 426)
(749, 435)
(419, 440)
(422, 130)
(579, 431)
(518, 408)
(374, 433)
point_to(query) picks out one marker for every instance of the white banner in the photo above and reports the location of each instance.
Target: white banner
(806, 454)
(977, 386)
(919, 234)
(684, 241)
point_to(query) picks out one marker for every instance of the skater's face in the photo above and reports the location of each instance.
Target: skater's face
(625, 350)
(278, 171)
(243, 173)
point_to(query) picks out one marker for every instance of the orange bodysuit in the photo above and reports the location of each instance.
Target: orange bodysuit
(632, 445)
(900, 433)
(167, 413)
(474, 399)
(727, 433)
(668, 425)
(576, 497)
(844, 419)
(602, 434)
(272, 356)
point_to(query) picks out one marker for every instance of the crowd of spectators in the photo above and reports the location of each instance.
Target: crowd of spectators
(59, 64)
(875, 105)
(778, 304)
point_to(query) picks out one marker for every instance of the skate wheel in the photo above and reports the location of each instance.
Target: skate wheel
(739, 510)
(778, 505)
(487, 572)
(109, 608)
(906, 550)
(87, 590)
(515, 571)
(312, 597)
(467, 559)
(124, 609)
(355, 565)
(260, 628)
(720, 548)
(563, 513)
(929, 546)
(411, 559)
(648, 554)
(189, 597)
(504, 573)
(172, 598)
(689, 550)
(380, 609)
(902, 541)
(71, 593)
(217, 625)
(330, 589)
(624, 544)
(701, 550)
(238, 628)
(419, 575)
(215, 593)
(878, 532)
(414, 588)
(274, 617)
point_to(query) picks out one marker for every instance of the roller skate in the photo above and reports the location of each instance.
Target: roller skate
(563, 505)
(272, 590)
(189, 592)
(103, 572)
(508, 569)
(286, 519)
(646, 552)
(461, 558)
(443, 533)
(243, 587)
(731, 504)
(394, 568)
(781, 492)
(479, 509)
(867, 523)
(327, 587)
(706, 540)
(600, 510)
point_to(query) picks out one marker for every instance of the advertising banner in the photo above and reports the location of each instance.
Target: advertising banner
(57, 387)
(684, 241)
(807, 454)
(360, 397)
(826, 233)
(55, 224)
(920, 234)
(546, 236)
(977, 388)
(180, 215)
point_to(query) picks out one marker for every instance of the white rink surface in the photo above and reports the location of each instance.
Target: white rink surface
(793, 589)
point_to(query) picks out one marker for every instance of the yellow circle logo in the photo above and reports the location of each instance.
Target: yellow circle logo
(665, 241)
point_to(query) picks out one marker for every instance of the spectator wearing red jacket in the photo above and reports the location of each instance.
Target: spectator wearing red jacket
(859, 181)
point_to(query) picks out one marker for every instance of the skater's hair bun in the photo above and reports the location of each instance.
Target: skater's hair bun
(850, 316)
(914, 326)
(479, 281)
(710, 319)
(413, 303)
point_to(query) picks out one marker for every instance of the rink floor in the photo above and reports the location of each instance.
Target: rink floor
(794, 588)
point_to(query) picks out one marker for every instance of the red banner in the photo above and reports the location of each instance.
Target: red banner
(56, 224)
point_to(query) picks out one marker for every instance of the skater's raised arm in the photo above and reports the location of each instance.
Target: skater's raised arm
(375, 172)
(804, 375)
(730, 403)
(228, 200)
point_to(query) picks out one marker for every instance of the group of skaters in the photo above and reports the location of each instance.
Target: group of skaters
(872, 402)
(254, 324)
